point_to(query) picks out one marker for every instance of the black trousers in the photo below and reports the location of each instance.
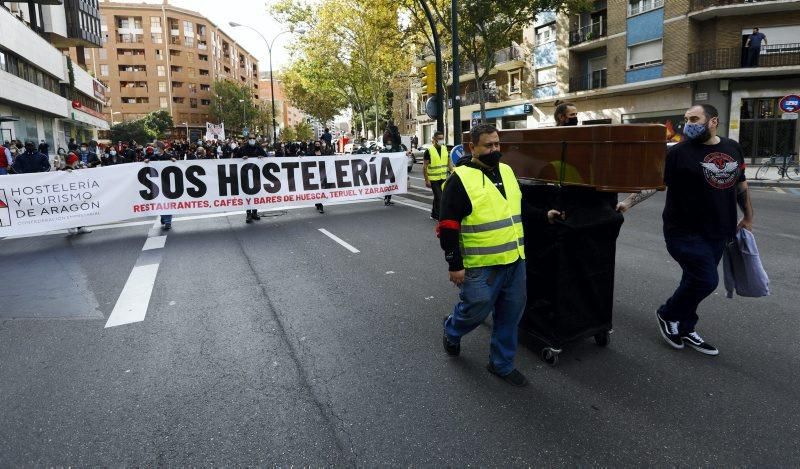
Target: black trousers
(753, 53)
(436, 187)
(250, 213)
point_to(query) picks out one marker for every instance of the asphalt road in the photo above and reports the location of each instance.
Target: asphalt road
(272, 344)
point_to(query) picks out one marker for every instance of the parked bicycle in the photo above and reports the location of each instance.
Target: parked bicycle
(787, 166)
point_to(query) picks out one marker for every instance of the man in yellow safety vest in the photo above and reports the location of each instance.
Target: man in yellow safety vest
(436, 164)
(481, 233)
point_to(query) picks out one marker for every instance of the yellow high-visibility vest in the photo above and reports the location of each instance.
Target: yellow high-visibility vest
(492, 234)
(437, 168)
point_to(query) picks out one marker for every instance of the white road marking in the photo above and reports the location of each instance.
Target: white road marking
(132, 303)
(339, 240)
(417, 178)
(778, 189)
(155, 242)
(414, 204)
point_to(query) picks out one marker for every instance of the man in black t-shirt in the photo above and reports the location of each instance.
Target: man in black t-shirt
(705, 182)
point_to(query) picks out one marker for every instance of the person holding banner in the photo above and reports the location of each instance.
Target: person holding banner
(158, 152)
(316, 150)
(246, 151)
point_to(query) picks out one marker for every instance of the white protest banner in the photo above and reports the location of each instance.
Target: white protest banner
(41, 202)
(215, 131)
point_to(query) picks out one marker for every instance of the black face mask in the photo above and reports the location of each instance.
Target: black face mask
(571, 121)
(491, 159)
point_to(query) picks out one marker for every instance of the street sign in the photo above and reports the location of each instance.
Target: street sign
(245, 132)
(790, 116)
(456, 153)
(790, 103)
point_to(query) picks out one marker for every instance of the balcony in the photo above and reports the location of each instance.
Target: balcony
(590, 32)
(706, 9)
(471, 98)
(510, 58)
(591, 81)
(773, 55)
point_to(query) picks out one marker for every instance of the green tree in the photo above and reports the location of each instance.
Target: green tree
(288, 134)
(234, 104)
(303, 131)
(131, 130)
(158, 122)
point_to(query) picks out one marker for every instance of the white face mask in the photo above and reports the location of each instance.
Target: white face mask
(233, 145)
(84, 149)
(113, 153)
(251, 142)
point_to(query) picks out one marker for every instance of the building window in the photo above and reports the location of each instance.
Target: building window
(155, 22)
(188, 30)
(515, 81)
(203, 73)
(188, 41)
(205, 87)
(192, 88)
(205, 102)
(763, 131)
(161, 71)
(162, 86)
(193, 103)
(636, 7)
(545, 76)
(102, 54)
(163, 102)
(159, 54)
(177, 100)
(545, 33)
(103, 70)
(157, 38)
(122, 23)
(643, 55)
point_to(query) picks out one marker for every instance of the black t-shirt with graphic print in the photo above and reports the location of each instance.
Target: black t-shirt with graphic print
(701, 188)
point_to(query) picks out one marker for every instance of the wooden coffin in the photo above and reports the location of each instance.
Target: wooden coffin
(608, 158)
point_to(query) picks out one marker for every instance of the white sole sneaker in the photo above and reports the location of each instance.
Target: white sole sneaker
(662, 326)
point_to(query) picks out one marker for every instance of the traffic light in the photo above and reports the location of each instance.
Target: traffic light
(428, 78)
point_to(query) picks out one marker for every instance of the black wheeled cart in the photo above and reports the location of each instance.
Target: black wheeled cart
(570, 267)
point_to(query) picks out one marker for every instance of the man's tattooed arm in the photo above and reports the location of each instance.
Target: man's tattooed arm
(634, 199)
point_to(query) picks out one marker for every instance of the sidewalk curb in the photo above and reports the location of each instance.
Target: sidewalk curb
(773, 183)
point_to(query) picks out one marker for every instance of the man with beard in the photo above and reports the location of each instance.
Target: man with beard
(566, 114)
(481, 233)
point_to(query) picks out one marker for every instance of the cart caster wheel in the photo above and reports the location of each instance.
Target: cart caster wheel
(603, 338)
(550, 356)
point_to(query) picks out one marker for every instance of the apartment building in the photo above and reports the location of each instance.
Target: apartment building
(287, 115)
(158, 56)
(44, 95)
(634, 61)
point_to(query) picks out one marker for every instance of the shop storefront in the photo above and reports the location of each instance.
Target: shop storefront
(510, 117)
(758, 121)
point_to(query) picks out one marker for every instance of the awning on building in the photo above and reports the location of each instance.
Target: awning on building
(8, 119)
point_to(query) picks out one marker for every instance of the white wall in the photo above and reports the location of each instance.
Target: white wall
(17, 90)
(55, 19)
(17, 37)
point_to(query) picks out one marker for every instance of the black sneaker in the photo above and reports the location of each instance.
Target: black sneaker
(388, 203)
(452, 349)
(256, 216)
(249, 219)
(515, 378)
(669, 331)
(167, 226)
(693, 340)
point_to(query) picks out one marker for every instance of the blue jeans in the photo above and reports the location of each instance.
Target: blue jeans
(3, 171)
(166, 219)
(499, 289)
(698, 257)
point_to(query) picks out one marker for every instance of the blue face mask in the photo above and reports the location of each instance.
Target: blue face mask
(696, 132)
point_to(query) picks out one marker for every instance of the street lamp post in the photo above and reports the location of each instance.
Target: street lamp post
(271, 82)
(456, 93)
(244, 115)
(437, 52)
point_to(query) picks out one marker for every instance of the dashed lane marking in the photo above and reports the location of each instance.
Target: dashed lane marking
(132, 303)
(339, 240)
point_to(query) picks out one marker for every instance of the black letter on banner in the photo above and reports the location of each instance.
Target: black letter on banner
(169, 191)
(273, 184)
(305, 166)
(227, 182)
(199, 189)
(360, 173)
(387, 173)
(291, 166)
(251, 179)
(152, 188)
(323, 177)
(341, 173)
(373, 171)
